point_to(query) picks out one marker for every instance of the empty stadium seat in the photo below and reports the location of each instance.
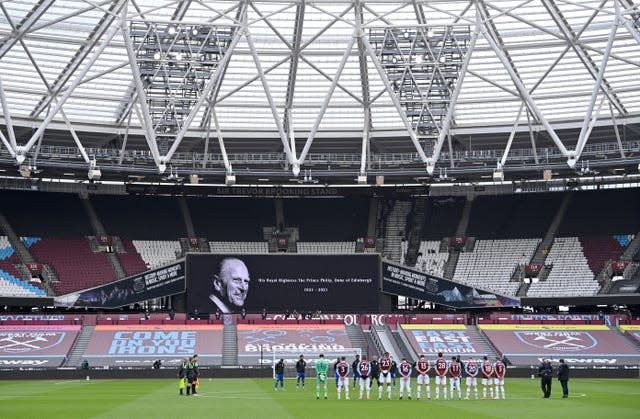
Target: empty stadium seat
(492, 263)
(156, 253)
(239, 247)
(570, 274)
(327, 247)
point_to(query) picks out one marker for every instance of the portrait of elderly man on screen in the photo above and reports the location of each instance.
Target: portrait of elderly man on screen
(230, 285)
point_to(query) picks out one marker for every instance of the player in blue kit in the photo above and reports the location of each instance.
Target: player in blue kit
(279, 371)
(301, 366)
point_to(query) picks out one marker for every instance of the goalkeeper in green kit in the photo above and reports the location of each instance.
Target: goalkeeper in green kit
(322, 368)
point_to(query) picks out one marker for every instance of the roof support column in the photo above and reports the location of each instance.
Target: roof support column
(327, 99)
(7, 119)
(394, 98)
(274, 111)
(527, 97)
(34, 138)
(585, 131)
(446, 124)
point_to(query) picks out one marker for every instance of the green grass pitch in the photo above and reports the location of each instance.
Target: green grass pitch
(255, 398)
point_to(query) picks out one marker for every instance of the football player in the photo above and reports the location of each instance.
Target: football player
(487, 372)
(499, 371)
(301, 366)
(384, 376)
(342, 369)
(442, 368)
(322, 369)
(455, 371)
(364, 371)
(279, 371)
(405, 378)
(423, 368)
(471, 369)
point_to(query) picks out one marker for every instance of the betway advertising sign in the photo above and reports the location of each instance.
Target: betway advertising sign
(583, 344)
(35, 346)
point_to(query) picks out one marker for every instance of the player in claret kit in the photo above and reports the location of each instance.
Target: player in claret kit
(471, 368)
(442, 368)
(384, 376)
(455, 371)
(405, 378)
(322, 369)
(499, 371)
(487, 372)
(423, 367)
(342, 369)
(364, 372)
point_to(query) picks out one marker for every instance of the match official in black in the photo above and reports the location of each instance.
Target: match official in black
(563, 377)
(545, 371)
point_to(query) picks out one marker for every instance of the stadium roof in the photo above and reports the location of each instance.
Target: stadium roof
(538, 84)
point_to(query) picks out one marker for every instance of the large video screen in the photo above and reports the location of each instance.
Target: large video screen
(280, 282)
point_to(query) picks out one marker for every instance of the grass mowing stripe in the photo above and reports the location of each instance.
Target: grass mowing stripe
(256, 398)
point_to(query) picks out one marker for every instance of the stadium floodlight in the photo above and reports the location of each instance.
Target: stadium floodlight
(94, 173)
(175, 65)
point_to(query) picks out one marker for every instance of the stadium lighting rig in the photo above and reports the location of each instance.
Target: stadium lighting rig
(94, 172)
(176, 61)
(423, 64)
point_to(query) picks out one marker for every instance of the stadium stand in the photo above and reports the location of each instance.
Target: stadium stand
(599, 250)
(442, 215)
(231, 219)
(156, 253)
(604, 212)
(326, 247)
(492, 263)
(430, 259)
(321, 219)
(77, 266)
(570, 273)
(131, 260)
(10, 282)
(46, 215)
(140, 217)
(512, 216)
(239, 247)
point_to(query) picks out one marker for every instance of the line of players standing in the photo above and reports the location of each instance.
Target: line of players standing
(384, 372)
